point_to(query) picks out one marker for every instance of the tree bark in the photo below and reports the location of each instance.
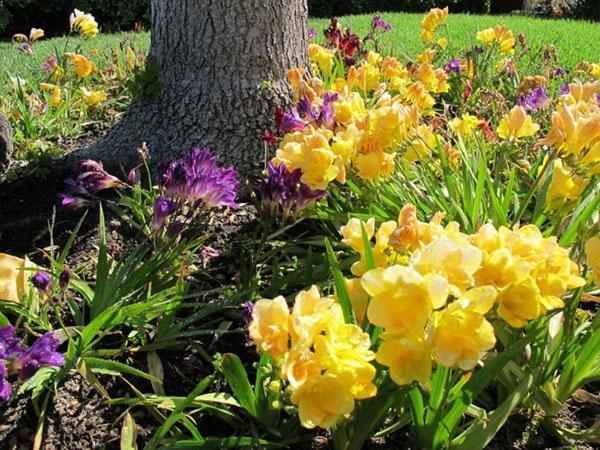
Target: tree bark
(222, 67)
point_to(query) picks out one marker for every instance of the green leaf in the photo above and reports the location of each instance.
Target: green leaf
(479, 434)
(128, 433)
(237, 378)
(99, 365)
(340, 284)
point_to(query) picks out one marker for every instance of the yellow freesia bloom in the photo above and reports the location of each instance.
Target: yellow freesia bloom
(83, 23)
(520, 302)
(83, 66)
(93, 98)
(13, 277)
(270, 326)
(434, 19)
(359, 298)
(517, 124)
(422, 145)
(592, 253)
(499, 35)
(461, 334)
(565, 185)
(35, 34)
(465, 125)
(323, 57)
(407, 356)
(55, 93)
(402, 298)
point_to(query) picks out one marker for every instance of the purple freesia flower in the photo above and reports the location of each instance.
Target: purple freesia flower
(326, 113)
(41, 353)
(42, 281)
(284, 189)
(290, 121)
(311, 33)
(453, 66)
(50, 64)
(72, 203)
(5, 388)
(10, 345)
(26, 48)
(163, 208)
(564, 89)
(175, 228)
(196, 177)
(536, 99)
(64, 278)
(380, 25)
(94, 178)
(559, 72)
(307, 110)
(248, 308)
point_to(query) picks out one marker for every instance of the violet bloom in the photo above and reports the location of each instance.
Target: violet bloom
(564, 89)
(248, 308)
(175, 228)
(196, 177)
(307, 110)
(284, 189)
(132, 176)
(72, 203)
(380, 25)
(326, 113)
(94, 178)
(453, 66)
(536, 99)
(290, 121)
(50, 64)
(26, 49)
(5, 388)
(163, 208)
(559, 72)
(41, 353)
(10, 345)
(311, 33)
(42, 281)
(64, 278)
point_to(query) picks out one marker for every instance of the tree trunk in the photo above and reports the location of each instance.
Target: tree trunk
(222, 67)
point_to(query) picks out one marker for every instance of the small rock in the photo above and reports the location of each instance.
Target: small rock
(6, 144)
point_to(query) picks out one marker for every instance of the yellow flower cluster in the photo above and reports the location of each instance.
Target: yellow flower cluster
(499, 35)
(325, 360)
(434, 285)
(83, 23)
(575, 133)
(517, 124)
(378, 108)
(434, 19)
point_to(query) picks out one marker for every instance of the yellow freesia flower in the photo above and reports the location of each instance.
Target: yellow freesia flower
(422, 145)
(270, 326)
(323, 57)
(434, 19)
(13, 277)
(55, 93)
(517, 124)
(565, 185)
(35, 34)
(573, 131)
(83, 23)
(407, 356)
(499, 35)
(456, 262)
(402, 298)
(83, 66)
(465, 125)
(359, 298)
(93, 98)
(520, 302)
(592, 253)
(461, 334)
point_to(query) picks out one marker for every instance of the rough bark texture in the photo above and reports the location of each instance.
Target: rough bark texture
(6, 144)
(222, 68)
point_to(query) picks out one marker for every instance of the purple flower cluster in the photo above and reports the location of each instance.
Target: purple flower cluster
(81, 191)
(536, 99)
(196, 178)
(379, 25)
(284, 192)
(453, 66)
(305, 113)
(25, 361)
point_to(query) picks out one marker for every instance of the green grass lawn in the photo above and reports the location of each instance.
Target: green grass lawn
(575, 40)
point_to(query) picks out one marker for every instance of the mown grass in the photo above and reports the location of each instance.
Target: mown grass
(575, 40)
